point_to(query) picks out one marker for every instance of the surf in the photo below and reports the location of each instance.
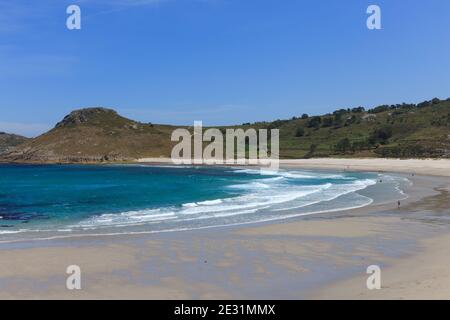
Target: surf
(139, 199)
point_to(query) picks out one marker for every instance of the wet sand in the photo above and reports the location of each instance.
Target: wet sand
(321, 256)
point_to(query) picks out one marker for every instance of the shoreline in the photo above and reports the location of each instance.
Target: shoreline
(320, 256)
(432, 167)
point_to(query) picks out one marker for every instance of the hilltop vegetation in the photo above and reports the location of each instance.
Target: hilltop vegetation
(402, 130)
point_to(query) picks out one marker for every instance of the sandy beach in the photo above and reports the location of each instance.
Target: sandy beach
(322, 256)
(434, 167)
(224, 150)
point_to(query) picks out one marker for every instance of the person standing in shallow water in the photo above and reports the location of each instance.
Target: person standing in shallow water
(398, 204)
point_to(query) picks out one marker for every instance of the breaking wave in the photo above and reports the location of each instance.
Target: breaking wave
(262, 198)
(142, 199)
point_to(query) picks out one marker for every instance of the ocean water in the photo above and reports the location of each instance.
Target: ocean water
(39, 201)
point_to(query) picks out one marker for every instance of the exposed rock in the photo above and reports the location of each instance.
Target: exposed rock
(84, 115)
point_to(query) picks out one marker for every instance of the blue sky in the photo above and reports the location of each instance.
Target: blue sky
(219, 61)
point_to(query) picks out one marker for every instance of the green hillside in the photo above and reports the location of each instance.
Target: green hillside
(403, 130)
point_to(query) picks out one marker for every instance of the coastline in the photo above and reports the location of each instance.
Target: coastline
(321, 256)
(432, 167)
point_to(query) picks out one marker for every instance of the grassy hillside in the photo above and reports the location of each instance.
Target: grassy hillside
(405, 130)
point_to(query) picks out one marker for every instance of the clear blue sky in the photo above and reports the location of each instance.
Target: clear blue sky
(220, 61)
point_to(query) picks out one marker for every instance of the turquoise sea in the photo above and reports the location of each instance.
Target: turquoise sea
(38, 201)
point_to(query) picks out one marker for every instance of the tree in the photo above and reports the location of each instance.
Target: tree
(381, 135)
(312, 149)
(327, 122)
(435, 101)
(343, 145)
(424, 104)
(379, 109)
(358, 110)
(352, 119)
(338, 119)
(314, 122)
(305, 116)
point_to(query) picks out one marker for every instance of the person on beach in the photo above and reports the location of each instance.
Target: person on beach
(398, 203)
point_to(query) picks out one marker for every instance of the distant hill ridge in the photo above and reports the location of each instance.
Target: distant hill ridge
(102, 135)
(9, 141)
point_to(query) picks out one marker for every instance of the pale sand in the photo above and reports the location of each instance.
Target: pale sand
(425, 275)
(435, 167)
(322, 256)
(243, 263)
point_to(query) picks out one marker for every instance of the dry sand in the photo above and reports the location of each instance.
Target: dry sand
(434, 167)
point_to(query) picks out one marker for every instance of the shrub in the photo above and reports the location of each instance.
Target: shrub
(300, 132)
(435, 101)
(343, 145)
(380, 135)
(424, 104)
(327, 122)
(358, 110)
(408, 151)
(379, 109)
(314, 122)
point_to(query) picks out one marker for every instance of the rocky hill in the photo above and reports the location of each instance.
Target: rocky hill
(10, 141)
(94, 135)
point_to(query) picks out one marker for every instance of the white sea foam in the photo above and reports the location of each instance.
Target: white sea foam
(271, 194)
(127, 218)
(210, 202)
(293, 174)
(180, 229)
(189, 205)
(331, 193)
(11, 231)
